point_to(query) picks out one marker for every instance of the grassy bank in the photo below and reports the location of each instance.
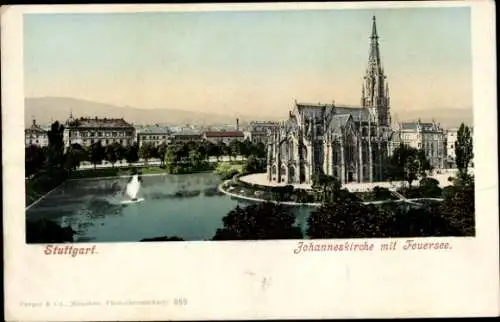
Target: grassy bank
(42, 183)
(227, 170)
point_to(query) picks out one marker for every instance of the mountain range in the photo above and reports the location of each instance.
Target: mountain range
(48, 109)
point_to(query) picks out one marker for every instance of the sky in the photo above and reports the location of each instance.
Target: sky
(249, 62)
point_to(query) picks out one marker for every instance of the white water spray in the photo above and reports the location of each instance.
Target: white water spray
(133, 187)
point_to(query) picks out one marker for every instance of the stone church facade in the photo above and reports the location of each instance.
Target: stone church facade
(349, 143)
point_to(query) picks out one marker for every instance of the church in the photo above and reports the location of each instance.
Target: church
(349, 143)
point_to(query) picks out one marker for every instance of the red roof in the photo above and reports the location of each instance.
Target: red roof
(224, 134)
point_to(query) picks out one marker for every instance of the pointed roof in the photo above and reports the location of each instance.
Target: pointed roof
(35, 128)
(339, 121)
(374, 28)
(374, 57)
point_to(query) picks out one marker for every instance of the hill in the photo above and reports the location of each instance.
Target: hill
(48, 109)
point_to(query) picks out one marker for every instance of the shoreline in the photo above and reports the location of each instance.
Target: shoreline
(102, 177)
(317, 204)
(43, 196)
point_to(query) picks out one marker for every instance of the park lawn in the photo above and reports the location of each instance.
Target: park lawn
(236, 165)
(152, 170)
(114, 172)
(96, 173)
(368, 196)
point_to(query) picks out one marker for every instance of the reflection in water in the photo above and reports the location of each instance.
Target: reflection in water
(187, 206)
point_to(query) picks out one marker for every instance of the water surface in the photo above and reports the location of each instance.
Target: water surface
(186, 206)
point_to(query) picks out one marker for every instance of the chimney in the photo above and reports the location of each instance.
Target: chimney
(237, 124)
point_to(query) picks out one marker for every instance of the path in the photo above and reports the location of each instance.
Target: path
(151, 162)
(401, 198)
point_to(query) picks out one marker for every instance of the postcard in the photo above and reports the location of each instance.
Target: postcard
(250, 161)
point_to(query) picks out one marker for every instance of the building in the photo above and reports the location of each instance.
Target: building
(36, 135)
(349, 143)
(429, 137)
(154, 135)
(451, 140)
(223, 136)
(258, 131)
(87, 131)
(186, 135)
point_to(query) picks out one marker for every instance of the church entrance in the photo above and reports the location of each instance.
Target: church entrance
(350, 176)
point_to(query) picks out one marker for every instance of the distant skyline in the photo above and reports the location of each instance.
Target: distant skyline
(236, 62)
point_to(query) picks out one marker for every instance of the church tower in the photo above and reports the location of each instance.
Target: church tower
(375, 90)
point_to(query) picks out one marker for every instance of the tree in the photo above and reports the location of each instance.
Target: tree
(195, 158)
(75, 154)
(223, 149)
(56, 145)
(213, 150)
(346, 218)
(458, 207)
(409, 221)
(253, 165)
(172, 157)
(111, 153)
(234, 148)
(34, 159)
(463, 149)
(246, 148)
(260, 150)
(257, 222)
(162, 150)
(46, 231)
(96, 154)
(132, 153)
(407, 163)
(429, 188)
(325, 187)
(146, 151)
(423, 165)
(121, 152)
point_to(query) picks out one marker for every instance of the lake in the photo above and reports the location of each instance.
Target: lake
(186, 206)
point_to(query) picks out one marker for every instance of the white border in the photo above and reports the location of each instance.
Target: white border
(242, 280)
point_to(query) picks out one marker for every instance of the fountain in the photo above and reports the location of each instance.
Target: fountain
(132, 189)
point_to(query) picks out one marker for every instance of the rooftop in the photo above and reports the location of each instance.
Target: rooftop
(98, 123)
(219, 134)
(424, 126)
(186, 132)
(153, 129)
(35, 128)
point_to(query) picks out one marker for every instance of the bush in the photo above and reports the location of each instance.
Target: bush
(429, 188)
(46, 231)
(225, 171)
(303, 196)
(411, 193)
(380, 193)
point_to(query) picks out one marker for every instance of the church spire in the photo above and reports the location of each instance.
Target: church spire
(375, 93)
(374, 58)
